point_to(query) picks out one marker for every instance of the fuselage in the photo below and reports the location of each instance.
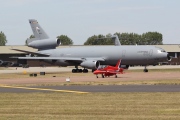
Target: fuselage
(130, 55)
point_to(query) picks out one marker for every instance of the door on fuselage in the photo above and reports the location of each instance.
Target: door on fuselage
(123, 54)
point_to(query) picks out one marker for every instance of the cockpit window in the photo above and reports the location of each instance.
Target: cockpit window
(102, 67)
(160, 50)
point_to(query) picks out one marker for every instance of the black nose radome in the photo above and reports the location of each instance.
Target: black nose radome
(168, 57)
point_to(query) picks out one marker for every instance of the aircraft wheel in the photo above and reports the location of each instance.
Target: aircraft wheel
(85, 71)
(93, 70)
(77, 70)
(102, 76)
(115, 76)
(73, 70)
(80, 70)
(96, 76)
(145, 70)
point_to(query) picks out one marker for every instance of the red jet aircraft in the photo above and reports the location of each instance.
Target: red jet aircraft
(109, 70)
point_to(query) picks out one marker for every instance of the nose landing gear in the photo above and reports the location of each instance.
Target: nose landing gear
(145, 69)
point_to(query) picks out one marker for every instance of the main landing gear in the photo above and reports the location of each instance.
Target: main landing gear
(101, 75)
(76, 70)
(79, 70)
(145, 69)
(104, 76)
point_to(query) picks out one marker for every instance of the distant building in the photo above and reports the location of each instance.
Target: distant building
(174, 51)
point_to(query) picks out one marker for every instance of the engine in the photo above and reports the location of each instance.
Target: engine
(6, 63)
(1, 62)
(45, 43)
(90, 64)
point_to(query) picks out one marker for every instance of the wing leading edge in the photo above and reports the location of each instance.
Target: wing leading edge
(60, 58)
(35, 53)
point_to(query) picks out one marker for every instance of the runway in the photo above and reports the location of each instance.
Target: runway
(91, 89)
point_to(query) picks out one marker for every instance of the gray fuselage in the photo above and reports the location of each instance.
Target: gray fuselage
(130, 55)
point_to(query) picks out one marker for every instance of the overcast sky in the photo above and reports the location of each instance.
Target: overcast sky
(80, 19)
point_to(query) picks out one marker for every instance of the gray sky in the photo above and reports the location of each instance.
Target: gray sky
(80, 19)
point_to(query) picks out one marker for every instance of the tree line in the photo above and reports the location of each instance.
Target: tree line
(148, 38)
(3, 39)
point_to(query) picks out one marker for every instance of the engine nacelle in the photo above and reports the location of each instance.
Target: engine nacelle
(124, 66)
(45, 43)
(1, 62)
(5, 63)
(90, 64)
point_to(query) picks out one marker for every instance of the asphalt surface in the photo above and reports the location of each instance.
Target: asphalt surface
(89, 89)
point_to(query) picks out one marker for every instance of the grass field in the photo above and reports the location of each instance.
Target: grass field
(91, 106)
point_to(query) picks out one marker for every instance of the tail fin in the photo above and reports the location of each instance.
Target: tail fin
(118, 64)
(38, 32)
(41, 40)
(116, 40)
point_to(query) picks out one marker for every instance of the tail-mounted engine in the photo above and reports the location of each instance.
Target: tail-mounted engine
(45, 44)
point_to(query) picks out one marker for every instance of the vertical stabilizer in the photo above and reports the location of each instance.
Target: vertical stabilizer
(41, 40)
(116, 40)
(38, 32)
(118, 64)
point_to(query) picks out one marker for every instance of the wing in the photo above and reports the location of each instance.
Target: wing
(114, 72)
(35, 53)
(103, 71)
(43, 56)
(99, 72)
(67, 59)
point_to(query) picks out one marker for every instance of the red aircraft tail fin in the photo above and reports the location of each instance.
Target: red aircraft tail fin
(118, 64)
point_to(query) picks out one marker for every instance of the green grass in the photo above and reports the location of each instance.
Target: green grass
(92, 106)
